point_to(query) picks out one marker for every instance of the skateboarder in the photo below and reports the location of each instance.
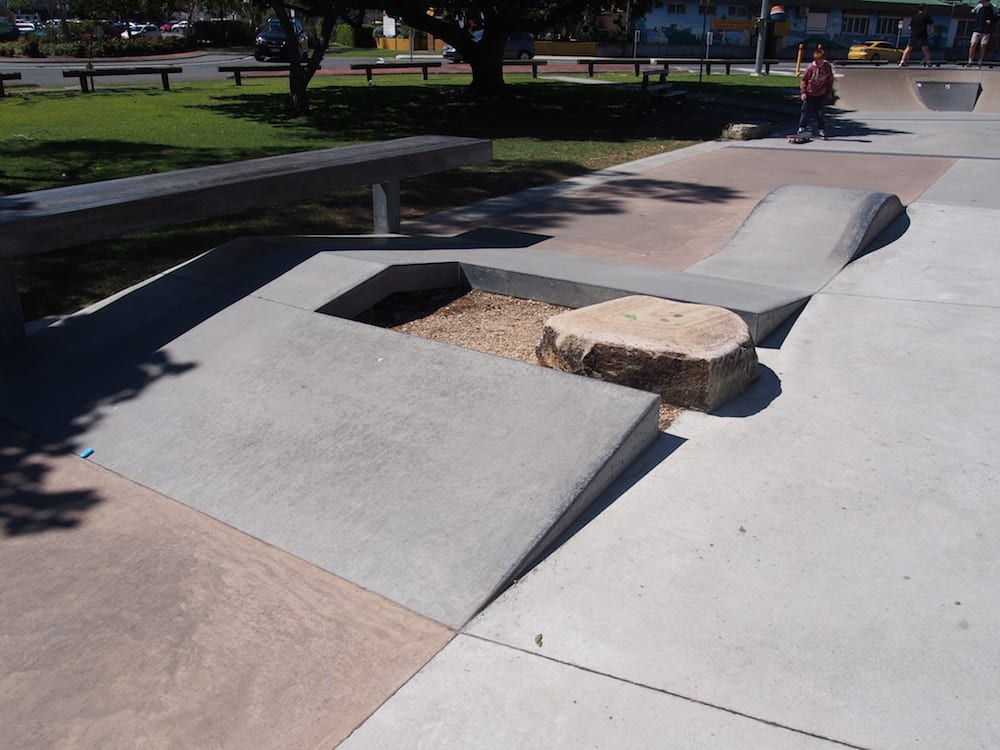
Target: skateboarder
(816, 86)
(985, 23)
(921, 27)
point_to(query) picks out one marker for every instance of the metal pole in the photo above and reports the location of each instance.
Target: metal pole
(704, 34)
(761, 32)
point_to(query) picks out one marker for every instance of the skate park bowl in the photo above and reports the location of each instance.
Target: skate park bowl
(918, 90)
(429, 474)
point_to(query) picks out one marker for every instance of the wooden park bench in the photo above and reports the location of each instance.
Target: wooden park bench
(15, 76)
(633, 62)
(84, 74)
(725, 62)
(44, 220)
(533, 64)
(239, 70)
(370, 68)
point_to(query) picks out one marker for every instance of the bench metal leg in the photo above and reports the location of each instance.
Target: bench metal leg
(11, 319)
(424, 69)
(368, 74)
(534, 70)
(238, 77)
(166, 81)
(2, 92)
(590, 69)
(385, 207)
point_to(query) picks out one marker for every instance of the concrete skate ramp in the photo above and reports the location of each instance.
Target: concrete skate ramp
(948, 96)
(917, 90)
(427, 473)
(800, 236)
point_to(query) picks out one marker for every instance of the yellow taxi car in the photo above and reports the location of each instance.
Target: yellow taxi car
(874, 51)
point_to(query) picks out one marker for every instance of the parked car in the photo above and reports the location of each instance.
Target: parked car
(8, 30)
(180, 26)
(142, 29)
(519, 46)
(875, 51)
(271, 42)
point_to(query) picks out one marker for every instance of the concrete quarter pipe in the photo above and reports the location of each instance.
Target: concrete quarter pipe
(918, 89)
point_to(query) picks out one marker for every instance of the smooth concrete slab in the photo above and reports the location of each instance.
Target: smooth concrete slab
(466, 697)
(132, 621)
(942, 135)
(820, 555)
(928, 264)
(970, 183)
(424, 472)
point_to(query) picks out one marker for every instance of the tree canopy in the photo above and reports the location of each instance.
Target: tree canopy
(454, 21)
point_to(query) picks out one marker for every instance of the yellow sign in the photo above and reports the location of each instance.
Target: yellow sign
(731, 24)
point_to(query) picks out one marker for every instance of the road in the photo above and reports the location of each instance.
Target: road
(197, 67)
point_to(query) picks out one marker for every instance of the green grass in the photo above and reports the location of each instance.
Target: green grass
(542, 132)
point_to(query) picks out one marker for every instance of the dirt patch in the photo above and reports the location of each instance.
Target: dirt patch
(482, 321)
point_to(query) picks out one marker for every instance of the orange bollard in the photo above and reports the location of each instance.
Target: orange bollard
(798, 60)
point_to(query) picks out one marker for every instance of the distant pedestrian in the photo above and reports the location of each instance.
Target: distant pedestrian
(921, 28)
(985, 22)
(816, 86)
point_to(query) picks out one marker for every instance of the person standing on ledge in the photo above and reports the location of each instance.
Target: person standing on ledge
(985, 22)
(816, 86)
(921, 27)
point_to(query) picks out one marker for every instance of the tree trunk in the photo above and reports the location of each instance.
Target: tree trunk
(486, 60)
(298, 85)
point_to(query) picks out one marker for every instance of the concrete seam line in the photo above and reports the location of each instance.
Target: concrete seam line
(672, 694)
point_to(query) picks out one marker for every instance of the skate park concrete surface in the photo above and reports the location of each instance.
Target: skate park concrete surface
(292, 527)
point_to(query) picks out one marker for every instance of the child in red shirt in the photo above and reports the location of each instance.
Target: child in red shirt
(816, 86)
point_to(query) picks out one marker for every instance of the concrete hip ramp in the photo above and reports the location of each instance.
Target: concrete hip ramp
(918, 90)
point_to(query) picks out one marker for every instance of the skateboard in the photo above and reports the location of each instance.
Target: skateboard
(799, 138)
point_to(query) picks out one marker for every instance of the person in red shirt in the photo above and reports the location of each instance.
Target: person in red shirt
(816, 86)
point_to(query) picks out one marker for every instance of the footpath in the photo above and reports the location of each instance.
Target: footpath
(813, 565)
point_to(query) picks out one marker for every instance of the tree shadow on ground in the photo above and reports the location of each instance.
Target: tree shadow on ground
(26, 505)
(846, 128)
(63, 381)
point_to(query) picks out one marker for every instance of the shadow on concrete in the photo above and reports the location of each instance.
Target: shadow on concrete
(545, 209)
(59, 382)
(26, 507)
(899, 226)
(661, 449)
(757, 397)
(776, 338)
(843, 128)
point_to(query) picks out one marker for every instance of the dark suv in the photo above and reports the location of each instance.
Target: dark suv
(271, 42)
(519, 46)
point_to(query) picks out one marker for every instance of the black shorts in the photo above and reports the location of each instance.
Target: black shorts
(918, 41)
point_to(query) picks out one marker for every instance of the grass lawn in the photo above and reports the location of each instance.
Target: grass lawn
(543, 132)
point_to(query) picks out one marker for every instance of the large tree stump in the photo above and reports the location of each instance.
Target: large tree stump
(696, 356)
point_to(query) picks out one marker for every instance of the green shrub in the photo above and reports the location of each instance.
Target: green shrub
(109, 46)
(344, 36)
